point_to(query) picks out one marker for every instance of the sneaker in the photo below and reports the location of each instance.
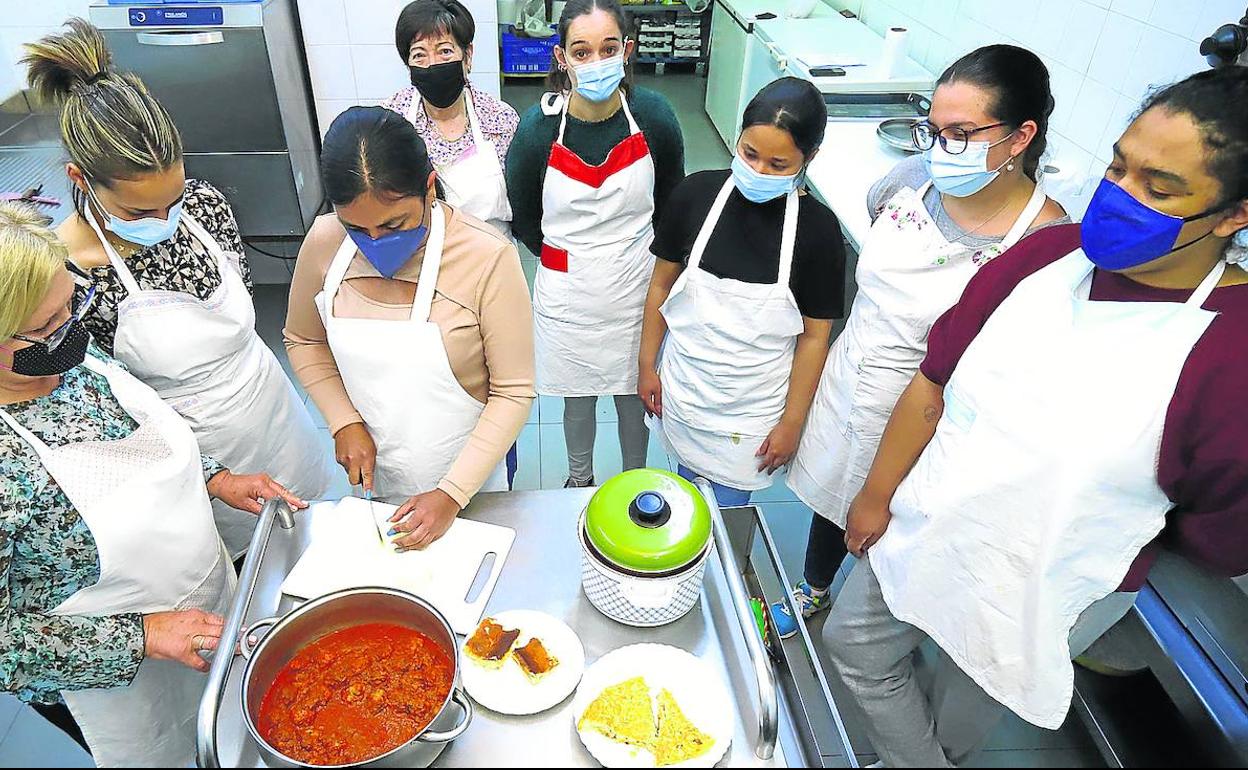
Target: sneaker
(809, 600)
(784, 622)
(572, 483)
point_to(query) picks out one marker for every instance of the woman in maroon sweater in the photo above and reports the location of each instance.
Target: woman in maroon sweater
(1078, 408)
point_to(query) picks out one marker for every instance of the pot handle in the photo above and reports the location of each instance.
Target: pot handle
(648, 595)
(244, 642)
(465, 706)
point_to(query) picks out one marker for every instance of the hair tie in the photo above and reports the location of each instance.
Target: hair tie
(97, 77)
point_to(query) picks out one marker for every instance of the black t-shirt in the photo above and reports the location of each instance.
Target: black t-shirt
(745, 244)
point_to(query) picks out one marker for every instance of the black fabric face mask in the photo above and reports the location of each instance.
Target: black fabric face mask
(440, 84)
(37, 361)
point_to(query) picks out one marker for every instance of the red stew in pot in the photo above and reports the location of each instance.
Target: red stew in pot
(355, 694)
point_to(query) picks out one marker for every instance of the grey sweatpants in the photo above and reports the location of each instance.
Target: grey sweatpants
(873, 653)
(580, 427)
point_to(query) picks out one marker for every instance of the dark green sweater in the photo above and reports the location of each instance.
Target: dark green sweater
(526, 160)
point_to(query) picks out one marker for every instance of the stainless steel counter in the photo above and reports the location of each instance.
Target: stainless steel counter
(543, 572)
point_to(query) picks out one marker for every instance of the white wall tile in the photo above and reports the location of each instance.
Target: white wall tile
(1161, 59)
(1080, 36)
(1093, 108)
(45, 13)
(1065, 83)
(324, 22)
(1119, 118)
(332, 71)
(378, 71)
(1115, 51)
(1175, 16)
(328, 109)
(485, 54)
(1213, 14)
(487, 81)
(1044, 35)
(371, 22)
(1136, 9)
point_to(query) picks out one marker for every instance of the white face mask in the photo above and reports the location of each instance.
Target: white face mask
(964, 174)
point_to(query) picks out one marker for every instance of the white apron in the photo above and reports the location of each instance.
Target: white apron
(474, 183)
(589, 296)
(908, 276)
(727, 361)
(400, 380)
(206, 360)
(1039, 488)
(143, 498)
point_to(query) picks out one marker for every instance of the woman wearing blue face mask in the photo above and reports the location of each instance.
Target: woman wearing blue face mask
(1077, 410)
(174, 297)
(750, 275)
(938, 218)
(409, 325)
(589, 167)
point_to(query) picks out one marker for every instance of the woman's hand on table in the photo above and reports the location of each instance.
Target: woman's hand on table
(779, 447)
(357, 454)
(423, 519)
(868, 520)
(248, 493)
(181, 636)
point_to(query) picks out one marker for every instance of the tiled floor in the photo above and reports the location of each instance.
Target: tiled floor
(27, 740)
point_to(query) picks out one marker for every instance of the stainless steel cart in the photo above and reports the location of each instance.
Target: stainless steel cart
(787, 717)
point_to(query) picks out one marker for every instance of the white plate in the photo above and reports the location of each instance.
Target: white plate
(508, 690)
(698, 690)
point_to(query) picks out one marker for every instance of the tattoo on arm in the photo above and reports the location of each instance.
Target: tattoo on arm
(931, 414)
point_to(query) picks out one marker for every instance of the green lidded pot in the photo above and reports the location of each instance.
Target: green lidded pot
(648, 521)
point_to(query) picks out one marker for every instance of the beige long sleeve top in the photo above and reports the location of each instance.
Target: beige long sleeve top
(481, 306)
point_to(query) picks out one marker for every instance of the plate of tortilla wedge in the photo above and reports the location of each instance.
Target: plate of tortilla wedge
(652, 705)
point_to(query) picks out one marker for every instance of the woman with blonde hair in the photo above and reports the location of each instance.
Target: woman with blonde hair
(112, 575)
(173, 300)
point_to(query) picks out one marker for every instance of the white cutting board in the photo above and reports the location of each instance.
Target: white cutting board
(346, 552)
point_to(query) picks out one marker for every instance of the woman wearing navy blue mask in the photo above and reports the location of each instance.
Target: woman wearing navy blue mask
(1076, 411)
(937, 218)
(749, 278)
(409, 325)
(174, 288)
(588, 170)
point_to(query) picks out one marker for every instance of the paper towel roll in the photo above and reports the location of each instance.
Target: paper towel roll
(894, 53)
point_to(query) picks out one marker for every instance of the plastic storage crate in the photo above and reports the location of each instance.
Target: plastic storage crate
(527, 55)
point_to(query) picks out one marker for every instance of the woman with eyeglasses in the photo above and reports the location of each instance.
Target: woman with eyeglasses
(113, 577)
(591, 166)
(467, 130)
(174, 302)
(750, 276)
(1078, 410)
(938, 218)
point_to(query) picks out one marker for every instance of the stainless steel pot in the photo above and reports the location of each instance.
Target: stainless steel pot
(335, 612)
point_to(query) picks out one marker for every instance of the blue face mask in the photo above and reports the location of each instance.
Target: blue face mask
(760, 188)
(390, 252)
(598, 81)
(145, 232)
(964, 174)
(1119, 232)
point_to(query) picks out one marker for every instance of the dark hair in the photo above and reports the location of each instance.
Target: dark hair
(1019, 82)
(794, 105)
(373, 149)
(1217, 102)
(559, 80)
(423, 18)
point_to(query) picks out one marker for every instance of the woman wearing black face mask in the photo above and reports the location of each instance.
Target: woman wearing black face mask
(466, 129)
(113, 573)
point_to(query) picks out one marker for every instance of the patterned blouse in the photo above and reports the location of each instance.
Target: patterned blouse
(178, 264)
(47, 553)
(498, 122)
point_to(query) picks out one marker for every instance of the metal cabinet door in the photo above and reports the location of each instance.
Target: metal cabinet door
(216, 83)
(727, 70)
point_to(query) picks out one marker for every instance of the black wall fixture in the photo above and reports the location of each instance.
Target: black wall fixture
(1224, 47)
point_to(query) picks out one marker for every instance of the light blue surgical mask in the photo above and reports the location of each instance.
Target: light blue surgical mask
(760, 188)
(145, 232)
(964, 174)
(599, 80)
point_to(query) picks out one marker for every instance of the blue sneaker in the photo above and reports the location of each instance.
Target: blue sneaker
(808, 600)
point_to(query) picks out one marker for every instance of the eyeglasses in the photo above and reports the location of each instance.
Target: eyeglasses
(84, 298)
(954, 139)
